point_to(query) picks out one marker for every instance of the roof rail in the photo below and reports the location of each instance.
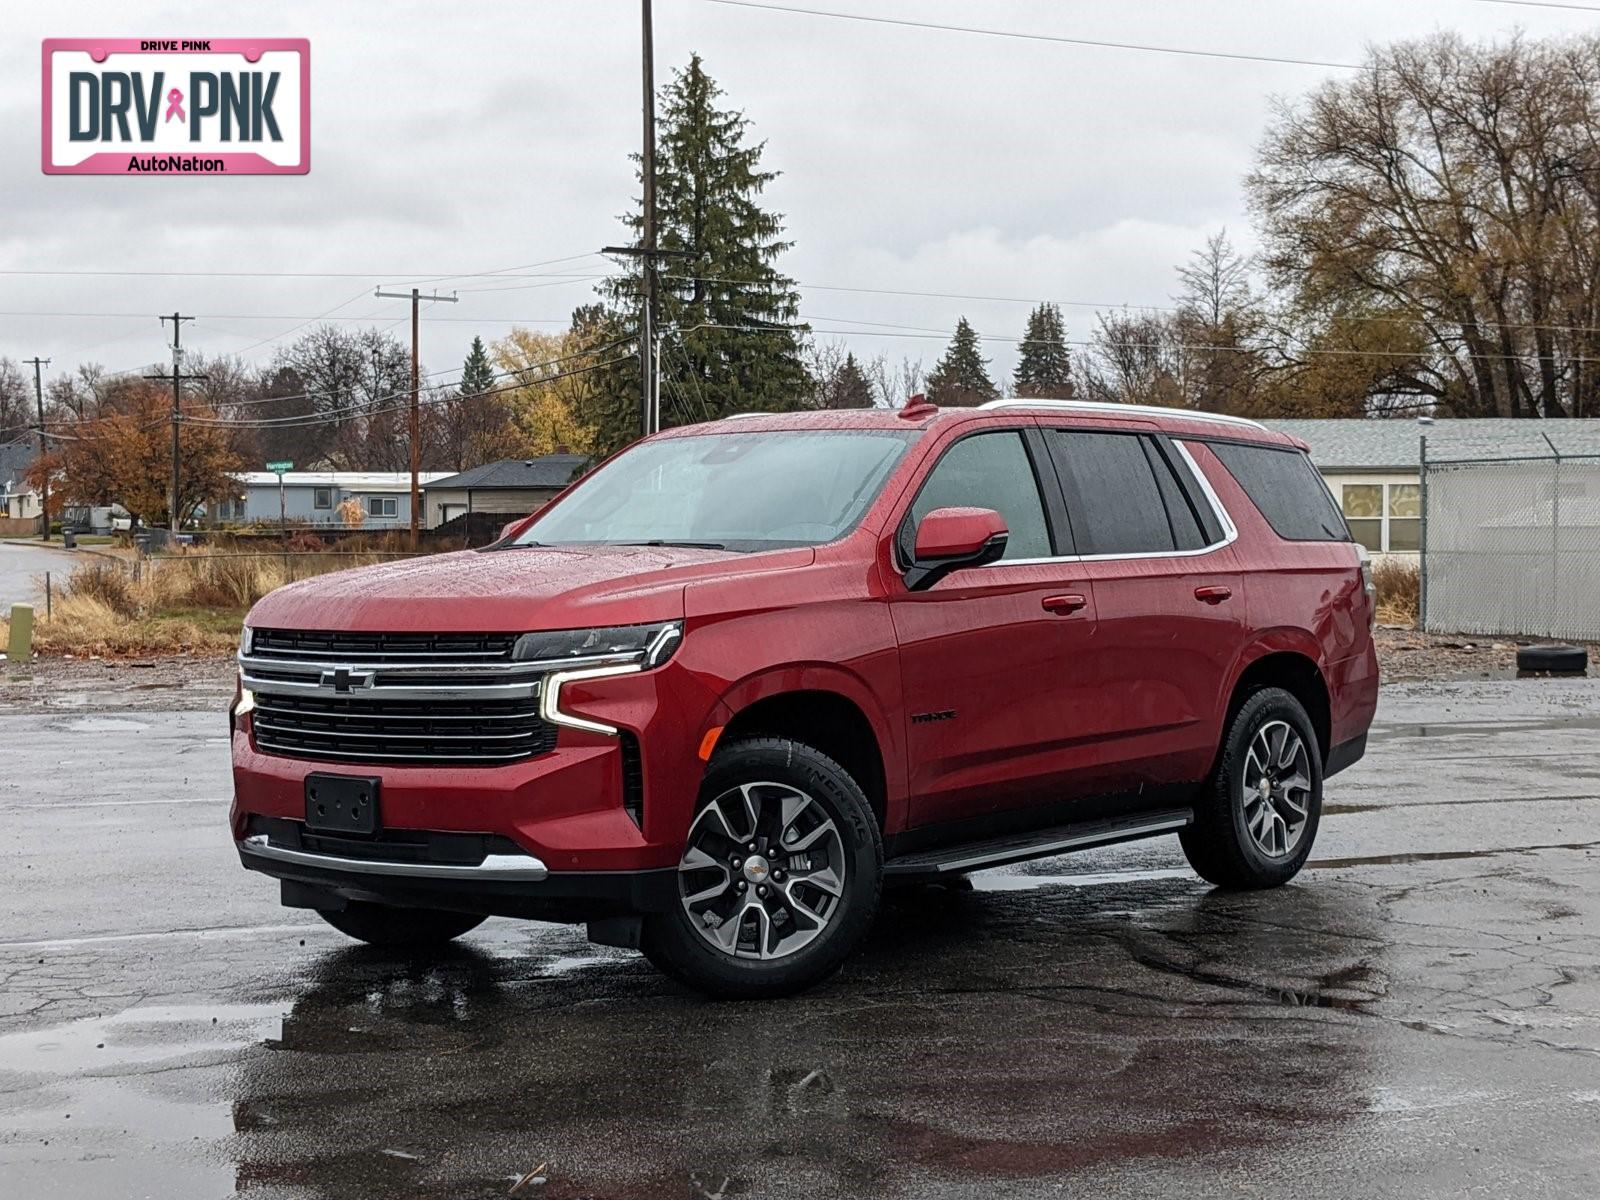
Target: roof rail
(1104, 406)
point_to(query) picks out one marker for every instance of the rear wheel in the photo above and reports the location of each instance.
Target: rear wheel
(1257, 816)
(780, 875)
(400, 928)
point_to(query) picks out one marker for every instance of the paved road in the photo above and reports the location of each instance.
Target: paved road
(1419, 1015)
(21, 566)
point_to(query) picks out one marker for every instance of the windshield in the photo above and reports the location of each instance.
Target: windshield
(733, 491)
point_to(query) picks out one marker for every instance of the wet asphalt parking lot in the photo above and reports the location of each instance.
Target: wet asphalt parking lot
(1418, 1015)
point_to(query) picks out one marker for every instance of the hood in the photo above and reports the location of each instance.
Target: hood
(470, 591)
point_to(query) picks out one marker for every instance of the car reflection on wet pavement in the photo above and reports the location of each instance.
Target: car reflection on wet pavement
(1419, 1014)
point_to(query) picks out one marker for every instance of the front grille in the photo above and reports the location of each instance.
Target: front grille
(411, 731)
(299, 645)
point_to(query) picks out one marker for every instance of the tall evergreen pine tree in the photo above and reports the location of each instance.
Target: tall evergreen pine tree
(1044, 366)
(961, 378)
(477, 375)
(852, 389)
(727, 315)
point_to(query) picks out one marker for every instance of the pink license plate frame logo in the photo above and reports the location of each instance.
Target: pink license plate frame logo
(163, 154)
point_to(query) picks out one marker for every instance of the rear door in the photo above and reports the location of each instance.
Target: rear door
(994, 711)
(1156, 549)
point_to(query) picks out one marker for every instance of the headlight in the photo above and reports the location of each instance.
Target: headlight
(246, 641)
(645, 645)
(594, 654)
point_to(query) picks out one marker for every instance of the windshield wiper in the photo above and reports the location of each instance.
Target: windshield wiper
(667, 542)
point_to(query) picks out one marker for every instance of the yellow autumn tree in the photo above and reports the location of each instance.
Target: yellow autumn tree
(551, 392)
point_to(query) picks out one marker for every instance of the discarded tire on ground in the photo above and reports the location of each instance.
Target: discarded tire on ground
(1564, 660)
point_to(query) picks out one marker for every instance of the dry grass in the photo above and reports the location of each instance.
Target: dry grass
(191, 602)
(1399, 585)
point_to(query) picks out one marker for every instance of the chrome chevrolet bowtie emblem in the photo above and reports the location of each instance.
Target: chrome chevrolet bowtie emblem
(342, 679)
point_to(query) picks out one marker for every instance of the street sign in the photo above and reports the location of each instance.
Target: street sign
(278, 468)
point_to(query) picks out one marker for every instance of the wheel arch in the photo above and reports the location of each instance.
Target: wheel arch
(1287, 663)
(832, 715)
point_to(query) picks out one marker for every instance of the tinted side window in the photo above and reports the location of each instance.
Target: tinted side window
(1284, 485)
(1185, 522)
(1113, 498)
(990, 470)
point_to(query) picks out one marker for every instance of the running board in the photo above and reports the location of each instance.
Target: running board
(1038, 843)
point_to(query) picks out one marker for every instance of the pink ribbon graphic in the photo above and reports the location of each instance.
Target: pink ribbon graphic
(175, 105)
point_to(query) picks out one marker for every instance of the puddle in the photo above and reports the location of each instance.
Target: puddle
(140, 1036)
(1382, 860)
(1439, 729)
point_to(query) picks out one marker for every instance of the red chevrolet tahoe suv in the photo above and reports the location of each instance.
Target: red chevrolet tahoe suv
(742, 676)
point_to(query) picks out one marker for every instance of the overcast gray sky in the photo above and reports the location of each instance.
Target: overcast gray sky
(482, 137)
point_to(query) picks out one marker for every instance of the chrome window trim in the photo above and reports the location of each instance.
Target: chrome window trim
(1230, 532)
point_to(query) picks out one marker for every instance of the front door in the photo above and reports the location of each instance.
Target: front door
(987, 654)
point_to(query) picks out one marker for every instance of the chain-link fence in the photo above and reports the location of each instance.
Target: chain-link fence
(1512, 546)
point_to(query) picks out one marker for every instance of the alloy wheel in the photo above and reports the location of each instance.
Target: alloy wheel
(1275, 789)
(763, 872)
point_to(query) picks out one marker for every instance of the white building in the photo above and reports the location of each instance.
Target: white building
(1374, 467)
(314, 498)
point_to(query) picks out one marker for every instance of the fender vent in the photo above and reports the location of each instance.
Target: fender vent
(632, 778)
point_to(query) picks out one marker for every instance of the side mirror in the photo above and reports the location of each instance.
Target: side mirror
(950, 538)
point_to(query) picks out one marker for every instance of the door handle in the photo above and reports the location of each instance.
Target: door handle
(1214, 594)
(1063, 605)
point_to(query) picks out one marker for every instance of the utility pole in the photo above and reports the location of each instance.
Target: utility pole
(646, 251)
(647, 240)
(416, 407)
(174, 497)
(44, 474)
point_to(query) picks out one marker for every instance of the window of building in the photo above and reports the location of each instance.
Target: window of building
(991, 470)
(322, 498)
(382, 506)
(1384, 517)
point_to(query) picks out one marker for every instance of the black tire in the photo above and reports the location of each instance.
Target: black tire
(673, 942)
(1220, 845)
(400, 928)
(1565, 660)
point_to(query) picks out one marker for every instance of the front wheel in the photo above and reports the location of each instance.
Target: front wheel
(400, 928)
(1257, 816)
(780, 876)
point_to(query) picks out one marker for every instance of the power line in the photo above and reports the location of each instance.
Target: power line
(1543, 4)
(284, 317)
(1235, 56)
(1195, 347)
(310, 419)
(501, 272)
(1105, 306)
(525, 377)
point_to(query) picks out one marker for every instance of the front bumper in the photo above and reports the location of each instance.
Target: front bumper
(501, 882)
(567, 807)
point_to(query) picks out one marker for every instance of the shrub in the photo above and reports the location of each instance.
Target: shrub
(107, 583)
(1399, 585)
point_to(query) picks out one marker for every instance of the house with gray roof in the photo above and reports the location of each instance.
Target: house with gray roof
(1374, 467)
(19, 500)
(512, 487)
